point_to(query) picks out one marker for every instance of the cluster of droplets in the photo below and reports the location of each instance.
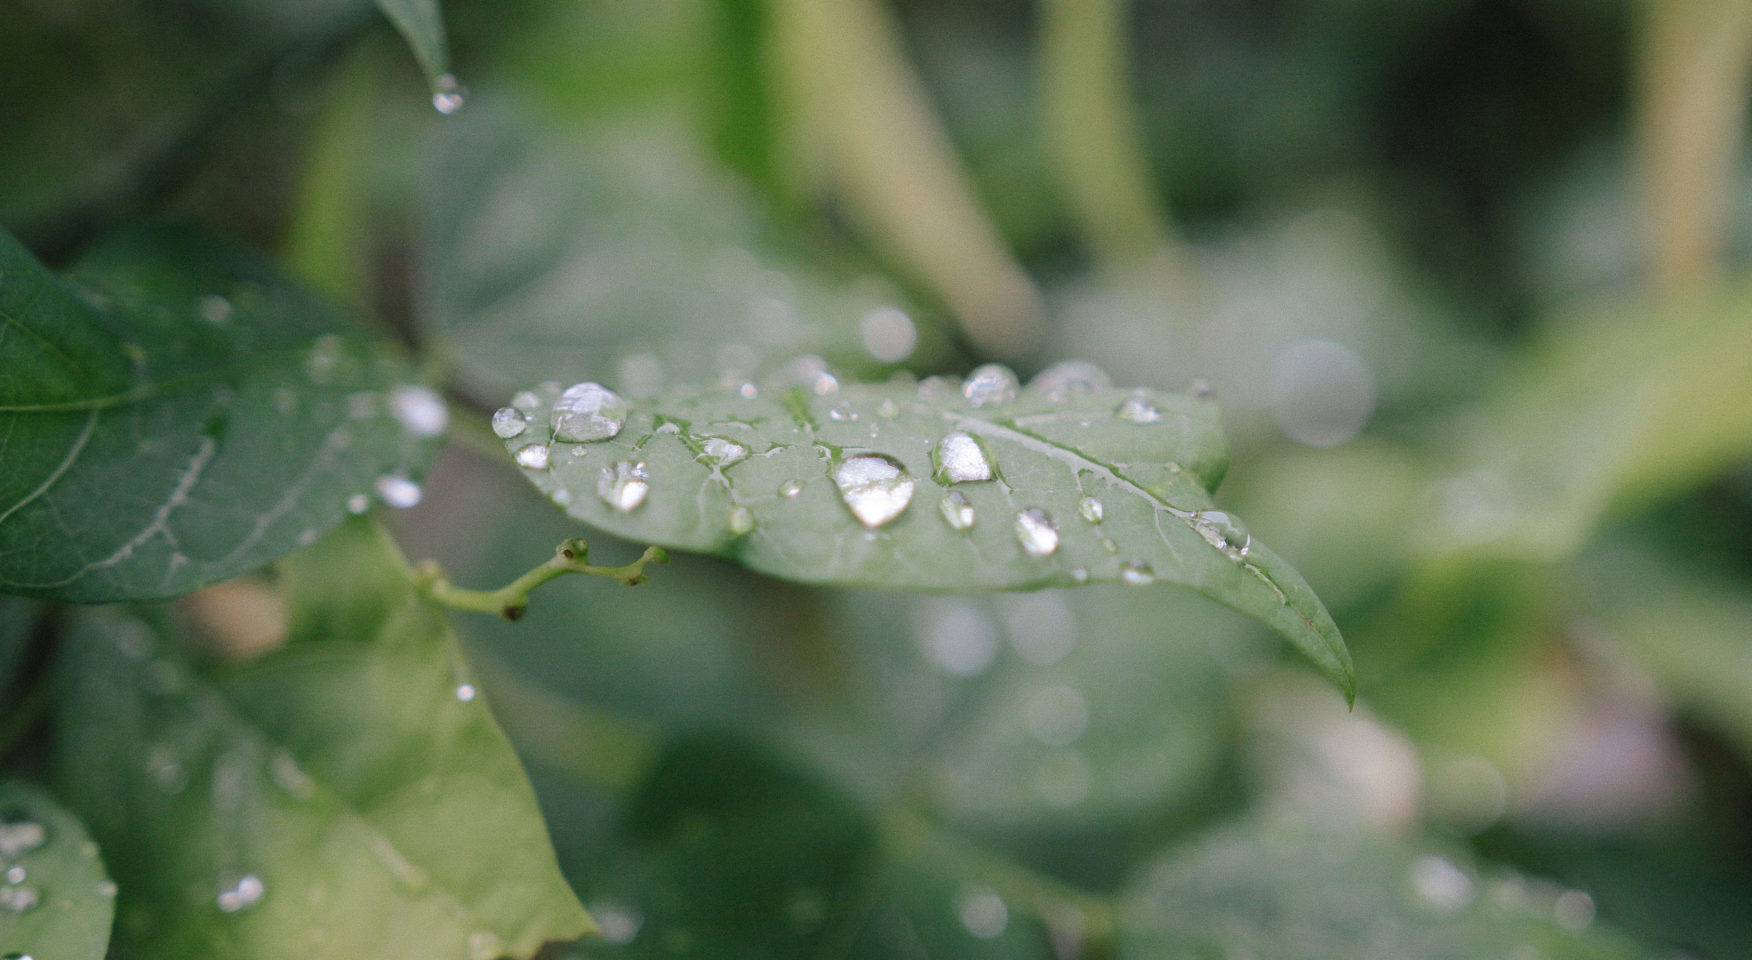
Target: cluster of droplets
(18, 839)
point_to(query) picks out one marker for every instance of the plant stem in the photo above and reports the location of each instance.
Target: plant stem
(509, 601)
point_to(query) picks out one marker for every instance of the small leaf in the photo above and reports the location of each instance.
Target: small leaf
(177, 414)
(55, 898)
(1264, 891)
(945, 487)
(348, 795)
(422, 26)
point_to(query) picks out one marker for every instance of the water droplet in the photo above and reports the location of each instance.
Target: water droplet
(509, 422)
(961, 460)
(485, 945)
(465, 692)
(420, 410)
(888, 333)
(20, 837)
(747, 390)
(533, 456)
(990, 385)
(1057, 715)
(1079, 574)
(1441, 884)
(876, 488)
(1062, 381)
(812, 374)
(616, 922)
(106, 889)
(398, 491)
(1138, 408)
(1091, 509)
(888, 409)
(588, 412)
(16, 956)
(1036, 532)
(215, 309)
(740, 520)
(1224, 532)
(624, 485)
(791, 489)
(1574, 910)
(19, 899)
(358, 503)
(957, 512)
(526, 401)
(982, 912)
(448, 96)
(1137, 573)
(307, 537)
(1108, 545)
(724, 452)
(841, 414)
(15, 874)
(240, 893)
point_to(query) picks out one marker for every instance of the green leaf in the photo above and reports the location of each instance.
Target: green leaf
(57, 901)
(175, 414)
(1608, 413)
(1277, 892)
(1082, 484)
(422, 26)
(628, 257)
(346, 796)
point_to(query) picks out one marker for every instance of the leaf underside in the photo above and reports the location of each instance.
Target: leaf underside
(1129, 499)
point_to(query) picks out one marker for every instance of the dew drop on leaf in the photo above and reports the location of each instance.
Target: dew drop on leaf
(961, 460)
(957, 512)
(448, 96)
(1224, 532)
(791, 489)
(398, 491)
(465, 692)
(990, 385)
(19, 898)
(358, 503)
(588, 412)
(240, 893)
(624, 485)
(724, 452)
(533, 456)
(1036, 532)
(509, 422)
(420, 410)
(982, 912)
(20, 837)
(1067, 379)
(874, 487)
(740, 521)
(1138, 409)
(1091, 509)
(1137, 573)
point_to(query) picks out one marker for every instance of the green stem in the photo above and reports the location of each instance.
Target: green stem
(509, 601)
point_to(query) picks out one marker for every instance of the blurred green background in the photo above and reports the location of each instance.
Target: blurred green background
(1468, 276)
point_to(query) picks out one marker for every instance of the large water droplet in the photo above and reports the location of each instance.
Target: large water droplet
(533, 456)
(420, 410)
(961, 460)
(1138, 408)
(509, 422)
(888, 333)
(624, 485)
(448, 96)
(1069, 378)
(724, 452)
(1036, 532)
(990, 385)
(1224, 532)
(740, 520)
(876, 488)
(1137, 573)
(957, 512)
(240, 893)
(397, 491)
(791, 489)
(20, 837)
(982, 912)
(587, 412)
(1091, 509)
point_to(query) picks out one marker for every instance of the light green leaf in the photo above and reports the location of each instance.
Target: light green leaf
(1608, 413)
(175, 414)
(56, 901)
(924, 488)
(1275, 892)
(422, 26)
(346, 796)
(628, 257)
